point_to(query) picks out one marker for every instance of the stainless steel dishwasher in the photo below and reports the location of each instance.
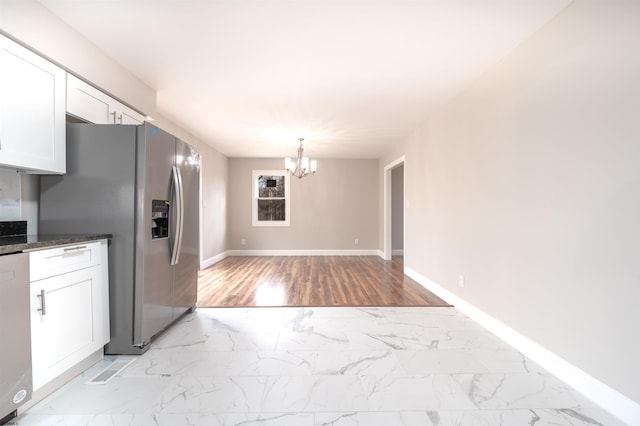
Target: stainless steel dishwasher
(15, 335)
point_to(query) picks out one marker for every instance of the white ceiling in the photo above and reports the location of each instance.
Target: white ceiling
(352, 77)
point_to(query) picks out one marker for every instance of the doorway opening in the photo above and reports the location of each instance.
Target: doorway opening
(394, 202)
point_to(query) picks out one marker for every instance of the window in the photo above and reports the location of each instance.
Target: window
(270, 198)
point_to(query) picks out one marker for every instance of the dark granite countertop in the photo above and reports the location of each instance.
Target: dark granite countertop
(18, 243)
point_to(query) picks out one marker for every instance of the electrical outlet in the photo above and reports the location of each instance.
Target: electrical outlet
(461, 281)
(243, 242)
(356, 241)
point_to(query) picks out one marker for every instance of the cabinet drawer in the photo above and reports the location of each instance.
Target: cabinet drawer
(60, 260)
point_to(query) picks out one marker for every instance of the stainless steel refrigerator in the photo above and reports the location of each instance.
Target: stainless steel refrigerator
(140, 184)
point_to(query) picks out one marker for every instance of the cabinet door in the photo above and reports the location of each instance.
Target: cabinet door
(32, 110)
(66, 322)
(125, 115)
(90, 104)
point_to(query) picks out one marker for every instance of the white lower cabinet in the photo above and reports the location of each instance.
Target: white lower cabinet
(68, 310)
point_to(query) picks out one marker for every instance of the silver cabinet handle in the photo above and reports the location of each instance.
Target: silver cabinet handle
(43, 307)
(68, 249)
(114, 116)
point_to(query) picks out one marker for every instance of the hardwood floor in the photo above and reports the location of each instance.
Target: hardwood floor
(310, 281)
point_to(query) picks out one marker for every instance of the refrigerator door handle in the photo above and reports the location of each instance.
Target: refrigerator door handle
(177, 191)
(181, 215)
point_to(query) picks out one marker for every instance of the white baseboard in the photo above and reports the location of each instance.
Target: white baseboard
(397, 252)
(213, 260)
(608, 398)
(372, 252)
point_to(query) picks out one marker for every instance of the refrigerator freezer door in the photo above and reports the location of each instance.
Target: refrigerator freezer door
(153, 307)
(186, 270)
(97, 196)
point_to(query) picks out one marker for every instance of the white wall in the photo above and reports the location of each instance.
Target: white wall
(529, 184)
(328, 211)
(19, 198)
(10, 189)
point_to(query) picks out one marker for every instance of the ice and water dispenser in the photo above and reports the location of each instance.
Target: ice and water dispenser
(160, 219)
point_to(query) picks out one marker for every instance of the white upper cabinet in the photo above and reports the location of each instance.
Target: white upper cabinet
(32, 111)
(90, 104)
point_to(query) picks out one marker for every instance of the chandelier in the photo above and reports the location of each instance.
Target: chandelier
(300, 166)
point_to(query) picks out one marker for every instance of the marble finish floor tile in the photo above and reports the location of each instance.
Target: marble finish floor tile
(322, 366)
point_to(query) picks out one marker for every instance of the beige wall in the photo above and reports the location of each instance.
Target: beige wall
(328, 211)
(215, 193)
(529, 184)
(397, 207)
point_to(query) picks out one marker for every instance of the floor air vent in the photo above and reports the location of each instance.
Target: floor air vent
(111, 371)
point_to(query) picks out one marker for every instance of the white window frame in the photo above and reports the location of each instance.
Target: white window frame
(254, 183)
